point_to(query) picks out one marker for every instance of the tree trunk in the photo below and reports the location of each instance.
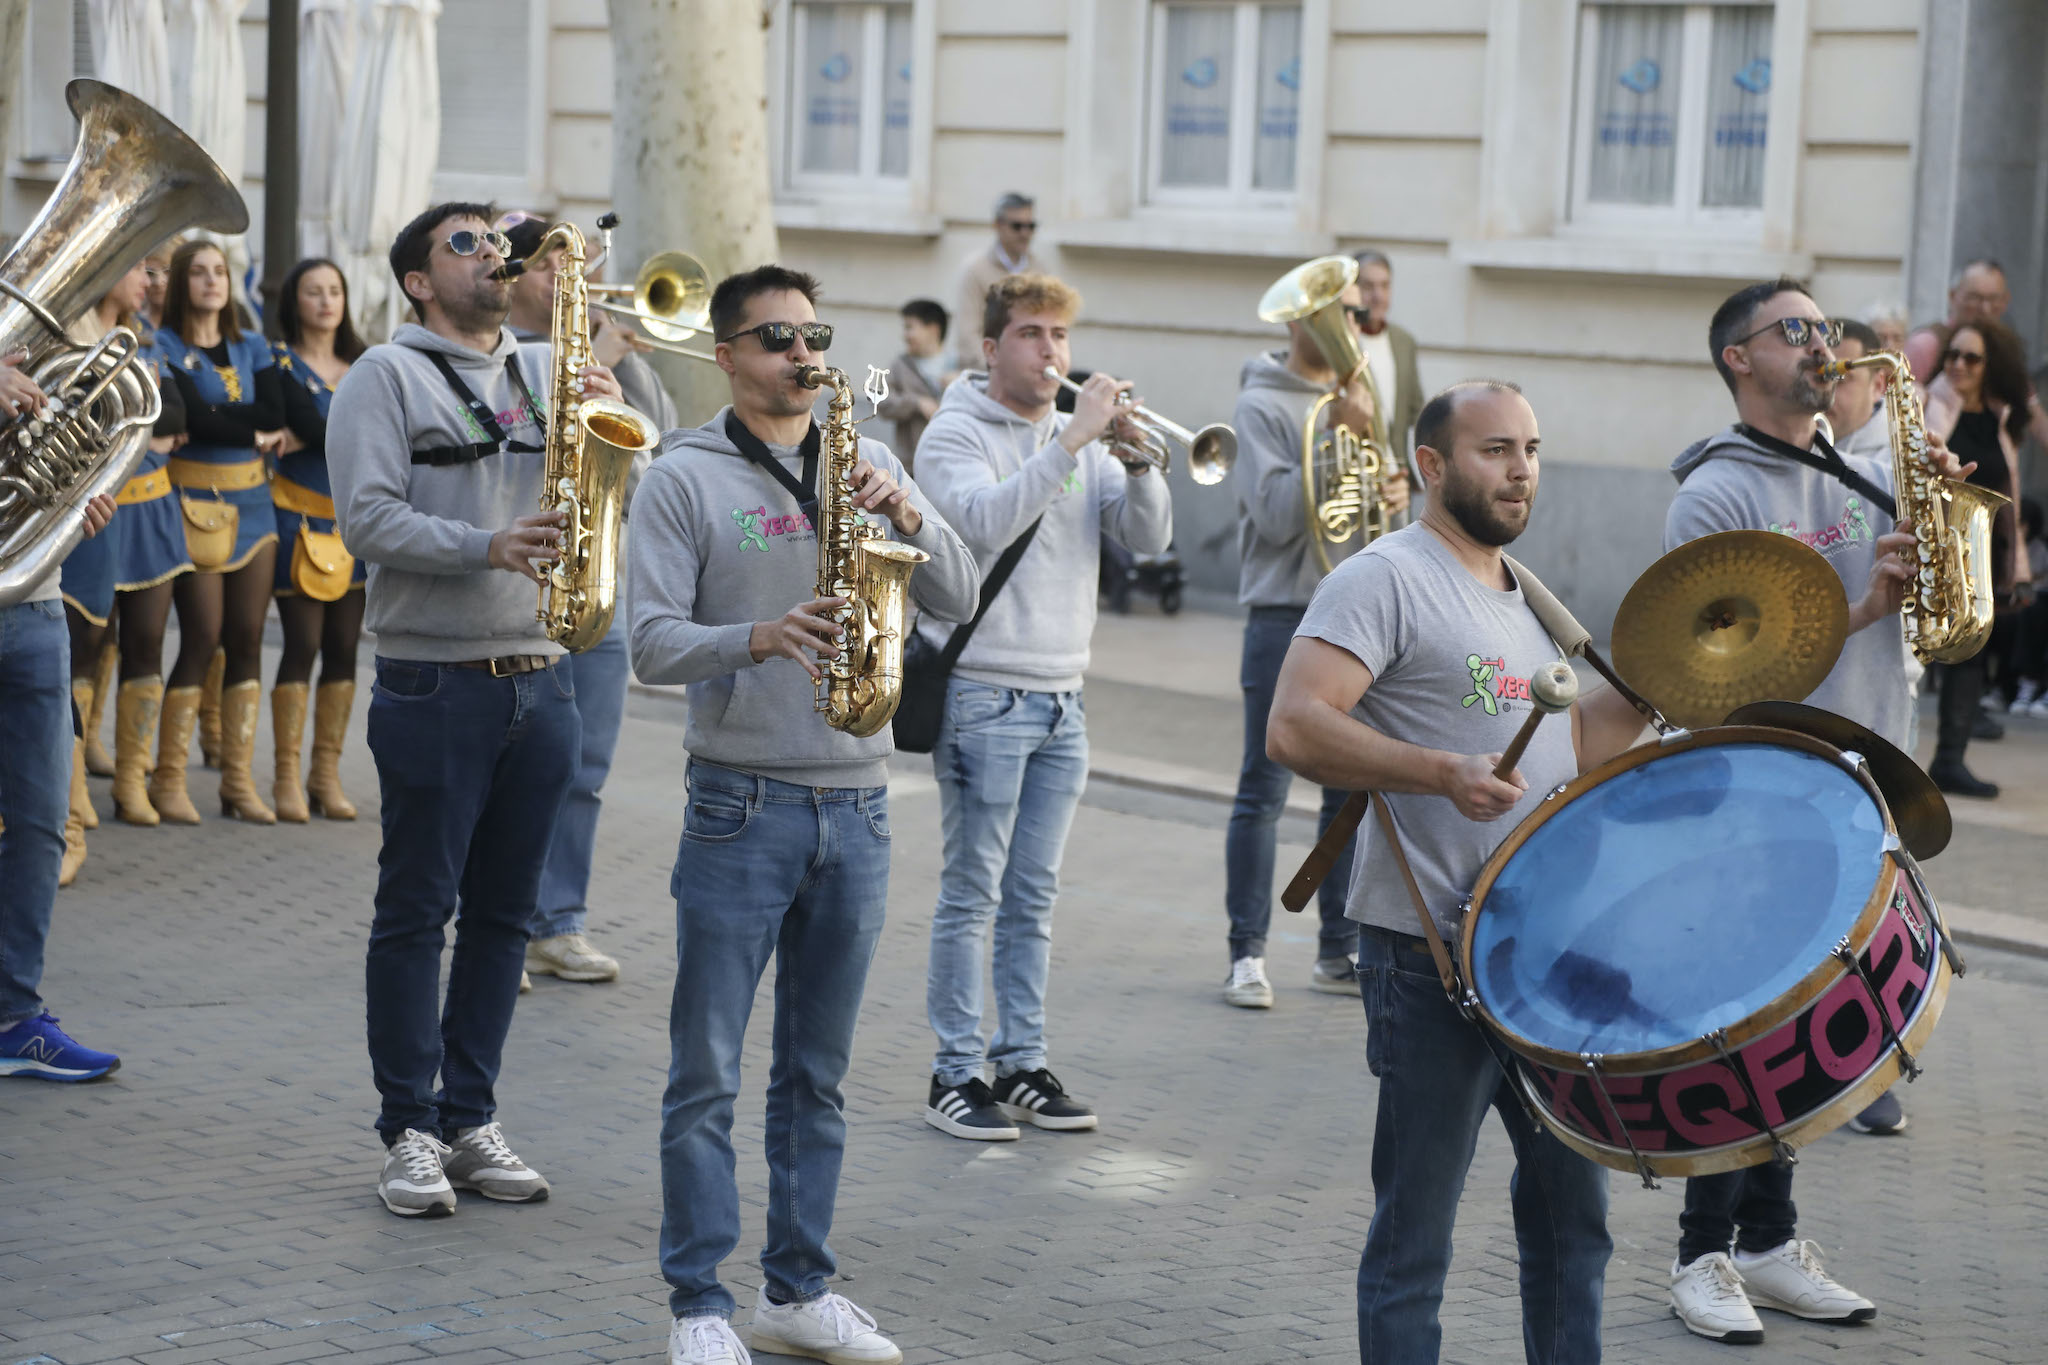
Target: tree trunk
(13, 30)
(690, 153)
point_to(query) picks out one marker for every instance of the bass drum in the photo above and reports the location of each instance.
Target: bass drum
(1707, 952)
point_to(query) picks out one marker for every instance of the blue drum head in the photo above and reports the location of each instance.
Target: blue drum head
(1677, 897)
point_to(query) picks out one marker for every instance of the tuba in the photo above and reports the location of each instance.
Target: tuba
(590, 449)
(1341, 470)
(133, 180)
(1948, 606)
(858, 691)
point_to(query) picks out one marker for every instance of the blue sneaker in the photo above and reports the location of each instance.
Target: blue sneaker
(37, 1047)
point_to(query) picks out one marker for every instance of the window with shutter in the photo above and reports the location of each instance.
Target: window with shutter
(493, 99)
(56, 45)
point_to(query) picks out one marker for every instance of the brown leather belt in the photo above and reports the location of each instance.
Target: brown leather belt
(509, 665)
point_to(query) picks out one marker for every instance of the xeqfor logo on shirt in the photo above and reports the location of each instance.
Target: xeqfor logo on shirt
(756, 526)
(1492, 684)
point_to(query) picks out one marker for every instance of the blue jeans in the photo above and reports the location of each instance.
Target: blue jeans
(600, 674)
(1011, 766)
(1751, 1207)
(1262, 784)
(1438, 1076)
(801, 873)
(35, 788)
(472, 770)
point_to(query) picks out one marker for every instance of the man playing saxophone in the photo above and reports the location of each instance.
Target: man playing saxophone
(1277, 575)
(1774, 470)
(785, 841)
(435, 444)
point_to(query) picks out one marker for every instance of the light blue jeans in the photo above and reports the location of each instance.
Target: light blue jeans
(1011, 766)
(765, 869)
(35, 790)
(600, 674)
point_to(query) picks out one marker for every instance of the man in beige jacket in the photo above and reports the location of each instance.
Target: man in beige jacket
(1010, 254)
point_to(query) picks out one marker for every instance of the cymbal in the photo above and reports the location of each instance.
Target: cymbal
(1918, 808)
(1728, 619)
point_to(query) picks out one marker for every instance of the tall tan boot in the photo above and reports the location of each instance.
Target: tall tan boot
(136, 710)
(174, 746)
(238, 708)
(81, 799)
(74, 843)
(209, 709)
(330, 727)
(97, 761)
(288, 735)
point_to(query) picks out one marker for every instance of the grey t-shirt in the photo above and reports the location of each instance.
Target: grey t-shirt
(1451, 661)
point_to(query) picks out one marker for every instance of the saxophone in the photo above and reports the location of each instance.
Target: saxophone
(1948, 607)
(858, 691)
(590, 449)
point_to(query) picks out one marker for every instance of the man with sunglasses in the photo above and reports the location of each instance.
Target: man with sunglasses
(1775, 470)
(1277, 575)
(560, 947)
(1016, 223)
(785, 842)
(435, 441)
(1390, 350)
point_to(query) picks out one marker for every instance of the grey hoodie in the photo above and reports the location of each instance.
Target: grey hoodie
(719, 544)
(992, 473)
(426, 530)
(1276, 566)
(1729, 483)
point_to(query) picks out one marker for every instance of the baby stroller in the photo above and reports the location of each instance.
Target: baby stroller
(1123, 571)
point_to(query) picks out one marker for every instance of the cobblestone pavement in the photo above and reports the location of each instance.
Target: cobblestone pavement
(215, 1200)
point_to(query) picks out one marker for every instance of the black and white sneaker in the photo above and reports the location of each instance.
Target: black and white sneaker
(968, 1110)
(1038, 1098)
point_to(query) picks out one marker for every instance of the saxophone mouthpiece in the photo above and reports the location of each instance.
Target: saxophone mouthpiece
(810, 376)
(511, 270)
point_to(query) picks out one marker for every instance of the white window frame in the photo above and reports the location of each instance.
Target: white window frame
(1244, 112)
(1685, 215)
(527, 187)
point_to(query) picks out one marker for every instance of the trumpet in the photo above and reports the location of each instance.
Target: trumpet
(1211, 451)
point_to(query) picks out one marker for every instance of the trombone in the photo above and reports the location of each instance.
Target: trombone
(1211, 451)
(671, 300)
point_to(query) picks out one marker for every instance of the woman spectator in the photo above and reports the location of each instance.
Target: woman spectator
(126, 571)
(1978, 404)
(235, 417)
(2030, 646)
(319, 584)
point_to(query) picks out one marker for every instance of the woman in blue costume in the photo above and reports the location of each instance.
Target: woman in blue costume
(235, 417)
(126, 570)
(319, 585)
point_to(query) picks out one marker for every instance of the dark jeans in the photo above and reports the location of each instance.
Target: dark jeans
(2030, 641)
(1962, 688)
(1249, 845)
(35, 786)
(1438, 1077)
(472, 770)
(1751, 1208)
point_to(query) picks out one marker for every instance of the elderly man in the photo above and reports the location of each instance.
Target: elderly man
(1010, 254)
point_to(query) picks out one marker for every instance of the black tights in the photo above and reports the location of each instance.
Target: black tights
(223, 610)
(328, 630)
(139, 619)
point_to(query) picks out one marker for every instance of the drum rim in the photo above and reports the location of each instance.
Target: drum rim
(1790, 1003)
(1756, 1149)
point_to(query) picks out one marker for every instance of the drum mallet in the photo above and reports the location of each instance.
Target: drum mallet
(1554, 688)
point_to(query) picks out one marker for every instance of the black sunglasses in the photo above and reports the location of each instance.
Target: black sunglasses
(1799, 331)
(1022, 224)
(466, 241)
(780, 336)
(1971, 359)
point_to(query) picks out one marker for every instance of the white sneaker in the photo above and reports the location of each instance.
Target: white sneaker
(2024, 696)
(2039, 710)
(412, 1183)
(1248, 988)
(479, 1160)
(570, 957)
(1707, 1297)
(1791, 1280)
(705, 1339)
(828, 1328)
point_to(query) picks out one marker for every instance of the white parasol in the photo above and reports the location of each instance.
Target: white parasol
(384, 167)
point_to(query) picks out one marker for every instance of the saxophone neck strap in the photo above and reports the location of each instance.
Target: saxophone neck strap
(479, 412)
(804, 490)
(1828, 461)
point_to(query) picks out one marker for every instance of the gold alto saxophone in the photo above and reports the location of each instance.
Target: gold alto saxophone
(591, 445)
(1948, 606)
(860, 689)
